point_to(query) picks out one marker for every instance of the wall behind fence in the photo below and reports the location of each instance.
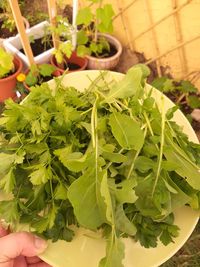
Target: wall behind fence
(166, 31)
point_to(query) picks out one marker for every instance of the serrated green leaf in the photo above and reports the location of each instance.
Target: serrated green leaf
(104, 15)
(75, 161)
(194, 101)
(6, 161)
(187, 87)
(84, 16)
(46, 69)
(40, 176)
(7, 183)
(9, 211)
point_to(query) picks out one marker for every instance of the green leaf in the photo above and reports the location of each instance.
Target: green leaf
(82, 50)
(123, 224)
(124, 191)
(186, 169)
(126, 131)
(188, 87)
(9, 211)
(84, 16)
(168, 234)
(31, 79)
(46, 69)
(144, 164)
(6, 63)
(82, 38)
(104, 15)
(114, 253)
(194, 101)
(41, 224)
(130, 85)
(7, 183)
(6, 161)
(60, 192)
(163, 84)
(105, 193)
(88, 205)
(40, 176)
(75, 161)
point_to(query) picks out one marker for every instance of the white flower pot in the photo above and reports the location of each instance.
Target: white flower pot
(108, 63)
(14, 44)
(27, 26)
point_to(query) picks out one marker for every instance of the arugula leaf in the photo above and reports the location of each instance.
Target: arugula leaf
(89, 205)
(114, 253)
(126, 131)
(123, 224)
(130, 85)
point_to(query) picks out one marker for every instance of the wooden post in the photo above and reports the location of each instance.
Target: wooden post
(21, 29)
(74, 34)
(52, 16)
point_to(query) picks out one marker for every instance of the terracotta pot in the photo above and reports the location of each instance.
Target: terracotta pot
(56, 73)
(80, 61)
(108, 63)
(8, 84)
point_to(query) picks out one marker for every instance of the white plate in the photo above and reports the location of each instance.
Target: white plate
(88, 248)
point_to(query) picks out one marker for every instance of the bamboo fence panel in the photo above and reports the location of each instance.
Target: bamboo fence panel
(167, 32)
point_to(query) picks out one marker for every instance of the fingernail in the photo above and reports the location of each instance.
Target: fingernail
(40, 244)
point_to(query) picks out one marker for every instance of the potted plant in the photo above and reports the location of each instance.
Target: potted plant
(40, 41)
(93, 39)
(7, 23)
(184, 94)
(10, 67)
(38, 74)
(64, 58)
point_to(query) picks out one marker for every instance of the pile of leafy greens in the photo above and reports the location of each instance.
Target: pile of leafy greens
(107, 159)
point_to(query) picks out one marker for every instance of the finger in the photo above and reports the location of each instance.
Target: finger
(22, 243)
(32, 260)
(19, 262)
(3, 231)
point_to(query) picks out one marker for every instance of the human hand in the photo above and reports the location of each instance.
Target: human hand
(21, 250)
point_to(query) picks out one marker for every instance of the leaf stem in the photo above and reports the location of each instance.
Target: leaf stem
(161, 145)
(136, 155)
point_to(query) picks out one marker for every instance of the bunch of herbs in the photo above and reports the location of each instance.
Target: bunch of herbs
(105, 159)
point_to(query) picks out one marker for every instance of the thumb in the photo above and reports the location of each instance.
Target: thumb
(16, 244)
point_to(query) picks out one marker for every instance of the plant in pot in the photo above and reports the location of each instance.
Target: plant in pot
(64, 57)
(7, 22)
(38, 74)
(93, 38)
(10, 67)
(40, 41)
(184, 94)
